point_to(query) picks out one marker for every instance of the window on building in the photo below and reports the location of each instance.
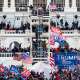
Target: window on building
(21, 5)
(78, 5)
(59, 3)
(36, 3)
(1, 4)
(70, 3)
(9, 3)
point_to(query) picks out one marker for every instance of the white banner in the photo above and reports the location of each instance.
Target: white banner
(3, 63)
(46, 73)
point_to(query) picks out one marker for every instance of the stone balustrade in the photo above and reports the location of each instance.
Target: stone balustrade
(67, 31)
(14, 32)
(3, 32)
(10, 54)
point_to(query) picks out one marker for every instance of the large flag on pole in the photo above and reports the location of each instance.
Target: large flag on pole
(56, 36)
(26, 73)
(13, 69)
(52, 63)
(26, 58)
(56, 30)
(52, 6)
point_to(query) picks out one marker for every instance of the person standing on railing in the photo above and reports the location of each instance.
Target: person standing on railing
(39, 10)
(73, 24)
(66, 25)
(38, 32)
(20, 46)
(7, 25)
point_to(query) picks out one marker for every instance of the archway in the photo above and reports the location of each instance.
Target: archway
(15, 44)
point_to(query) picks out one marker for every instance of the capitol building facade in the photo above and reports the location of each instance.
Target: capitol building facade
(14, 9)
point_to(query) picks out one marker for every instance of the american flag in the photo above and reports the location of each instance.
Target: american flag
(52, 43)
(28, 40)
(19, 58)
(27, 60)
(52, 37)
(52, 6)
(79, 67)
(26, 73)
(56, 13)
(52, 63)
(75, 65)
(56, 67)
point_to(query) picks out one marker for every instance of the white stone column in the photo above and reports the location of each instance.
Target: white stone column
(66, 3)
(12, 6)
(12, 3)
(48, 1)
(66, 8)
(74, 5)
(30, 2)
(5, 3)
(72, 9)
(2, 42)
(6, 8)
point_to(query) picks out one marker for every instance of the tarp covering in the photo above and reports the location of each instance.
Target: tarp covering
(40, 67)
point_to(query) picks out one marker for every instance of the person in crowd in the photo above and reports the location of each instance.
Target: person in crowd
(25, 25)
(60, 71)
(20, 77)
(74, 77)
(73, 24)
(66, 25)
(39, 10)
(76, 23)
(54, 24)
(7, 26)
(53, 76)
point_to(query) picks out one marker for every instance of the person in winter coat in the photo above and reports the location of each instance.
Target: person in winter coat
(20, 77)
(74, 77)
(53, 76)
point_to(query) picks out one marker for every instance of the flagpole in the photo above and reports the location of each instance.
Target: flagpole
(49, 36)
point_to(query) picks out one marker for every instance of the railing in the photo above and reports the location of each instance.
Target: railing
(7, 54)
(40, 13)
(28, 32)
(14, 32)
(10, 54)
(67, 31)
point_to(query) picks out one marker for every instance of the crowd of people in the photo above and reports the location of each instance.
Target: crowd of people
(59, 74)
(22, 27)
(65, 26)
(15, 49)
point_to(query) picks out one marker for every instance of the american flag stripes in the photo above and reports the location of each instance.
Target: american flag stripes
(26, 73)
(27, 60)
(56, 67)
(75, 65)
(28, 40)
(52, 6)
(19, 58)
(52, 63)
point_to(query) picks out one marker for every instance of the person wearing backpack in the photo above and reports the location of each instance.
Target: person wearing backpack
(74, 77)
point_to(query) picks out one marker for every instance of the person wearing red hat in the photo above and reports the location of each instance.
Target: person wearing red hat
(53, 76)
(38, 74)
(57, 77)
(41, 77)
